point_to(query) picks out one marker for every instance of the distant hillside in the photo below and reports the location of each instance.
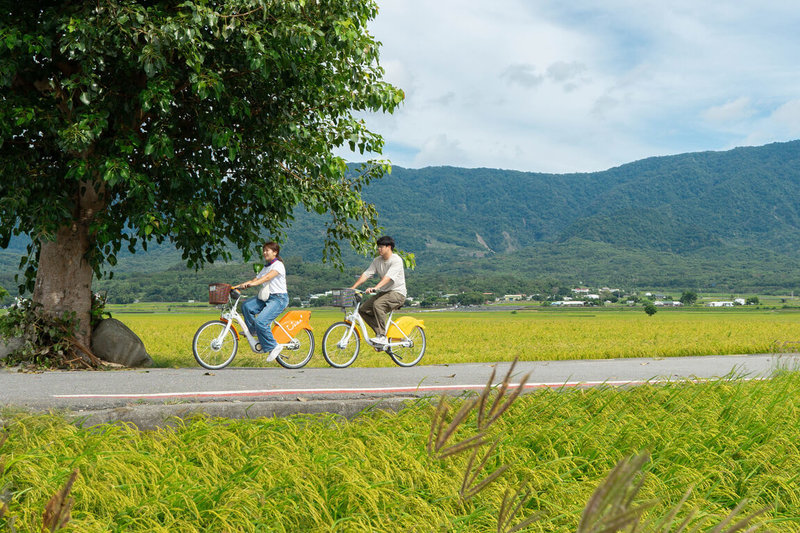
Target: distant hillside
(742, 197)
(712, 219)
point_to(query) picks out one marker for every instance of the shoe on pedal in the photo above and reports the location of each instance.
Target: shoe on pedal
(380, 339)
(274, 353)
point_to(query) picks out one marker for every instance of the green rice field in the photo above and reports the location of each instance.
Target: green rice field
(530, 335)
(728, 441)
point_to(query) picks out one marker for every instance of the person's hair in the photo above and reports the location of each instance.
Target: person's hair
(275, 247)
(386, 241)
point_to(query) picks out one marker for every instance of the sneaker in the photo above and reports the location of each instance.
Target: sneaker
(274, 353)
(378, 340)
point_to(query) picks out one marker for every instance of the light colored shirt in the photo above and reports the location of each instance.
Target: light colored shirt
(278, 283)
(393, 267)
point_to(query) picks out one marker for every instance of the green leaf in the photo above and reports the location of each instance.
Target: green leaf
(215, 145)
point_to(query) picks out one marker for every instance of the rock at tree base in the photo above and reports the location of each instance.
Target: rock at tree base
(113, 341)
(8, 346)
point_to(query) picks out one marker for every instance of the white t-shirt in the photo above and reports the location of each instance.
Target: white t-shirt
(393, 268)
(278, 283)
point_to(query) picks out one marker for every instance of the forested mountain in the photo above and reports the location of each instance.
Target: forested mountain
(729, 220)
(743, 197)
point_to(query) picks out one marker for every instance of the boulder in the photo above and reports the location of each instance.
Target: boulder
(7, 346)
(113, 341)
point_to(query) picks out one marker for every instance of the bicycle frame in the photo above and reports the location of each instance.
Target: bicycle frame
(231, 314)
(355, 319)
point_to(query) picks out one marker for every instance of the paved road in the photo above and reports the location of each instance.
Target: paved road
(153, 397)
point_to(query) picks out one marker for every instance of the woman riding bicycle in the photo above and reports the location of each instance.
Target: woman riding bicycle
(261, 310)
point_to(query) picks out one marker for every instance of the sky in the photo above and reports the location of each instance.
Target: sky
(583, 86)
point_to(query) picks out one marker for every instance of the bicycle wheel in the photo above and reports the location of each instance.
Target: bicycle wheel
(409, 356)
(299, 352)
(335, 353)
(210, 349)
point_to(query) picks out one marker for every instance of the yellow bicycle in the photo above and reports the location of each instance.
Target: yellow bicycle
(342, 340)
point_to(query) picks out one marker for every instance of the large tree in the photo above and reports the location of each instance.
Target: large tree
(203, 123)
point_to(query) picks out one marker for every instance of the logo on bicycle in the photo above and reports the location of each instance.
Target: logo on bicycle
(292, 324)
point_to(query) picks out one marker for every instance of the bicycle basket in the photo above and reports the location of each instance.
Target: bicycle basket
(218, 293)
(343, 297)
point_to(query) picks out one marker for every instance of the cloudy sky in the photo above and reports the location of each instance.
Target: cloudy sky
(581, 86)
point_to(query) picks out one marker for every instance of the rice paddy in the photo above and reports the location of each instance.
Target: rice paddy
(530, 335)
(730, 441)
(727, 441)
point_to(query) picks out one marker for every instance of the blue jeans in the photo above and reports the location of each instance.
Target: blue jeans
(259, 315)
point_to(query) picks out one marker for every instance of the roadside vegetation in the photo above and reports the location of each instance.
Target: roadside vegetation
(734, 444)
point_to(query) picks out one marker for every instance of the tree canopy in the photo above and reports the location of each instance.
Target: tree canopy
(203, 123)
(198, 122)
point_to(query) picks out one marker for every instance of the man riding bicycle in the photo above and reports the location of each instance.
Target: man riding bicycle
(390, 291)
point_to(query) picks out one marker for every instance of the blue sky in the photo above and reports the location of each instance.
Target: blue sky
(582, 86)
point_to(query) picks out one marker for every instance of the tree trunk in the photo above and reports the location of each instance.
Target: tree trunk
(64, 278)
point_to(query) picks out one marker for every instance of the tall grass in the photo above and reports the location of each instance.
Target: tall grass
(730, 441)
(526, 335)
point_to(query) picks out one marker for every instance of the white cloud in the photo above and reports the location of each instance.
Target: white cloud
(781, 124)
(440, 150)
(524, 75)
(733, 111)
(582, 86)
(788, 115)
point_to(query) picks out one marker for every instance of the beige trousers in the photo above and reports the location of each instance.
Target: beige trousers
(375, 310)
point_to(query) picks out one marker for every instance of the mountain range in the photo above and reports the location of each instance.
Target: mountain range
(725, 220)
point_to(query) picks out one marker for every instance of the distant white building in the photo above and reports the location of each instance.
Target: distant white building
(739, 301)
(568, 303)
(667, 303)
(719, 304)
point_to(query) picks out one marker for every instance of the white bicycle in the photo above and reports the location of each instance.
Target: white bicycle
(342, 340)
(216, 342)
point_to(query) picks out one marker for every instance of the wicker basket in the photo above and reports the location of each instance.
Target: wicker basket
(218, 293)
(343, 297)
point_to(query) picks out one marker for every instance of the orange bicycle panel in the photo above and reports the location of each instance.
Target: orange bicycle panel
(292, 322)
(403, 326)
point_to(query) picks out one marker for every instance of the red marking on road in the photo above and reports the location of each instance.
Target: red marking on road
(361, 390)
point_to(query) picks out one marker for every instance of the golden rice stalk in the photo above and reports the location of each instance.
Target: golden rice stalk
(3, 437)
(665, 523)
(741, 525)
